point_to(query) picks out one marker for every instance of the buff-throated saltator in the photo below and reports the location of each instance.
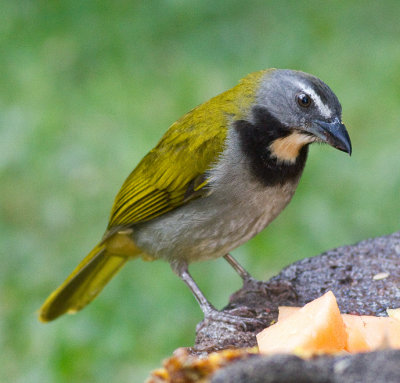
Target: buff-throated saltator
(218, 176)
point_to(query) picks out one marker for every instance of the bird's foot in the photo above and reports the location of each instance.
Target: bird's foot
(252, 284)
(240, 317)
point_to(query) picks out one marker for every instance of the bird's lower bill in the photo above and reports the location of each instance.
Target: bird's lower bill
(333, 133)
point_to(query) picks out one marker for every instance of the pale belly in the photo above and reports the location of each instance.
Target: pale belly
(211, 227)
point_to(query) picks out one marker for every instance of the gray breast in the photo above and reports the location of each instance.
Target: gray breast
(237, 208)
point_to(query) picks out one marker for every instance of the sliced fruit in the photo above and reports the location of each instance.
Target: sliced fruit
(316, 327)
(394, 313)
(286, 311)
(378, 332)
(363, 332)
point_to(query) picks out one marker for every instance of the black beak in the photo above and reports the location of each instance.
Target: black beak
(333, 133)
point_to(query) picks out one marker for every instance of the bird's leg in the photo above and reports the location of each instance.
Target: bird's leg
(210, 312)
(243, 273)
(248, 280)
(182, 270)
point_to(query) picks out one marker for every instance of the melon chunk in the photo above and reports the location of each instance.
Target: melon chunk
(363, 332)
(318, 326)
(394, 313)
(355, 341)
(286, 311)
(377, 332)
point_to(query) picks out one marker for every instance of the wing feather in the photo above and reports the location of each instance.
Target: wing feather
(175, 171)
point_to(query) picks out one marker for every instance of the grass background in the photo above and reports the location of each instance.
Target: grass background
(88, 87)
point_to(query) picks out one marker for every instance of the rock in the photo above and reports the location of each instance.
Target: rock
(365, 279)
(381, 366)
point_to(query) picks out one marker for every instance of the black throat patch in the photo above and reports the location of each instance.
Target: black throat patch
(255, 140)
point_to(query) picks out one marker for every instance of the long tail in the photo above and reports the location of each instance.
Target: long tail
(84, 283)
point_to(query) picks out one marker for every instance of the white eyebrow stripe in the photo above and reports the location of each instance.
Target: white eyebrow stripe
(324, 110)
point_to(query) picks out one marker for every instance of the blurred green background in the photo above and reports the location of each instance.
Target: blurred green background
(88, 87)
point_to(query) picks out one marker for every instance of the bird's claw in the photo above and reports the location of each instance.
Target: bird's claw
(252, 284)
(246, 323)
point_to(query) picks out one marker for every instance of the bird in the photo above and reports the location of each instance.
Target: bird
(218, 176)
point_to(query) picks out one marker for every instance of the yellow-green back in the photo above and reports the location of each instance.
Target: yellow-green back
(186, 151)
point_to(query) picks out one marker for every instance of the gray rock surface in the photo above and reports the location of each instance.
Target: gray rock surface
(373, 367)
(365, 279)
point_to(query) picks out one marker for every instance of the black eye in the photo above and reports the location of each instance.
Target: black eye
(304, 100)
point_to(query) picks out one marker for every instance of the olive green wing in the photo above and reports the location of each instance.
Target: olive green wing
(173, 172)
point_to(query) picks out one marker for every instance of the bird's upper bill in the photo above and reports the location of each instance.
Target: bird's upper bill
(333, 133)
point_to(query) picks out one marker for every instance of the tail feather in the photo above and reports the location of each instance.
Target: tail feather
(84, 283)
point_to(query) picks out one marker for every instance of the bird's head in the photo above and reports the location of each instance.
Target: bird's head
(303, 109)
